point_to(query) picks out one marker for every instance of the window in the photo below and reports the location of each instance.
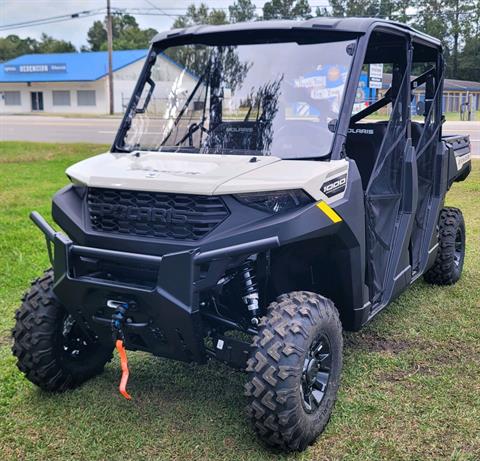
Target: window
(12, 98)
(86, 98)
(260, 98)
(61, 98)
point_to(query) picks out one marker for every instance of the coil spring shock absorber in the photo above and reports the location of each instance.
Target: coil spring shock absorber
(250, 295)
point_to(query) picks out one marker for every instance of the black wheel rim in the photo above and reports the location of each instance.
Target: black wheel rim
(458, 254)
(316, 373)
(73, 340)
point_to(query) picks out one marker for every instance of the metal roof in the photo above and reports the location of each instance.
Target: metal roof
(449, 84)
(65, 67)
(355, 25)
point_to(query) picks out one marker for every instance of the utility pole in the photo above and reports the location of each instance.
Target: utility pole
(110, 68)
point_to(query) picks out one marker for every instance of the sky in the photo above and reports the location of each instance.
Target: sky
(75, 31)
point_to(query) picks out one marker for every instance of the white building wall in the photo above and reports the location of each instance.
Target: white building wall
(47, 90)
(164, 74)
(124, 83)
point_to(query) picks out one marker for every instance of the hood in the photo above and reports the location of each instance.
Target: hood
(164, 172)
(208, 174)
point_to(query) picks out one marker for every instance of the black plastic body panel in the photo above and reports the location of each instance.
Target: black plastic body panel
(177, 271)
(164, 317)
(459, 153)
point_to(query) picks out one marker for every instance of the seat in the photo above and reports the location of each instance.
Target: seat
(363, 145)
(235, 135)
(417, 130)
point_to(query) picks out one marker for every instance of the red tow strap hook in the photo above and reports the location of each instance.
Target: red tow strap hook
(125, 373)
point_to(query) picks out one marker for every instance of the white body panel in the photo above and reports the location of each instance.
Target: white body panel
(206, 174)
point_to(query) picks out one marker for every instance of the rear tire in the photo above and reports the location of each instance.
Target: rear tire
(52, 351)
(294, 370)
(448, 264)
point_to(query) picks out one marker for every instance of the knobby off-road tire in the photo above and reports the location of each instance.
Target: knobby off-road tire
(448, 264)
(283, 365)
(52, 351)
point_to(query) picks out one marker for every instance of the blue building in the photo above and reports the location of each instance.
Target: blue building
(68, 82)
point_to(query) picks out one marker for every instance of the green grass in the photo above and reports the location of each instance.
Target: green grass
(411, 382)
(455, 116)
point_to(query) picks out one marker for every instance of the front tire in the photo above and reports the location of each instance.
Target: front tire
(294, 370)
(52, 351)
(448, 264)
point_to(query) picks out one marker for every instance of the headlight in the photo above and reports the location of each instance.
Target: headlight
(275, 202)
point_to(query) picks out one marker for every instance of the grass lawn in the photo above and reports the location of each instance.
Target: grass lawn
(455, 116)
(411, 382)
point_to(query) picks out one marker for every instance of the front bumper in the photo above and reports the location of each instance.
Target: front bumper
(167, 321)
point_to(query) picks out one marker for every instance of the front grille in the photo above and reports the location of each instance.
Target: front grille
(155, 214)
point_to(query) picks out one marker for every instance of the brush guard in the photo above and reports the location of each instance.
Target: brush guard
(163, 318)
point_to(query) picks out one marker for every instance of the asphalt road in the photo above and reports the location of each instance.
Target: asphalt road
(102, 130)
(470, 128)
(57, 129)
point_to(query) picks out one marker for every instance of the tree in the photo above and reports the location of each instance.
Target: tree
(13, 46)
(343, 8)
(468, 61)
(451, 22)
(49, 44)
(200, 15)
(459, 23)
(126, 34)
(456, 23)
(469, 56)
(241, 11)
(96, 36)
(287, 9)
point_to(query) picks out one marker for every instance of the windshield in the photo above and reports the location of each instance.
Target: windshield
(279, 99)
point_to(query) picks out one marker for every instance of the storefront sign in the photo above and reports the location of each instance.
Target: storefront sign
(375, 75)
(35, 68)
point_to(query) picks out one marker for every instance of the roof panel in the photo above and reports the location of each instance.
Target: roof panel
(65, 67)
(352, 24)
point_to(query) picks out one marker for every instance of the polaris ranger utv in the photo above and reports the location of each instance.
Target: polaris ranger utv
(249, 210)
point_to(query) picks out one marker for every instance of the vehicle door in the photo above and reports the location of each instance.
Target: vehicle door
(391, 192)
(426, 138)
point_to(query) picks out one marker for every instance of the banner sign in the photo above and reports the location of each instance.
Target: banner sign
(375, 75)
(35, 68)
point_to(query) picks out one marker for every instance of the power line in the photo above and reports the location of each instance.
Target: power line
(162, 10)
(52, 19)
(156, 11)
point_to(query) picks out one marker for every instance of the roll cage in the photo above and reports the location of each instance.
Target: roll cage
(325, 29)
(401, 195)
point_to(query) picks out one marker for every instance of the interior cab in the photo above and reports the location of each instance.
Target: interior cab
(368, 126)
(393, 140)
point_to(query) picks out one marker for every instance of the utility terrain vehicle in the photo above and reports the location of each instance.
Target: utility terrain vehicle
(249, 210)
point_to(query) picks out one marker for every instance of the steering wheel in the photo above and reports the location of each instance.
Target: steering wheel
(309, 137)
(192, 129)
